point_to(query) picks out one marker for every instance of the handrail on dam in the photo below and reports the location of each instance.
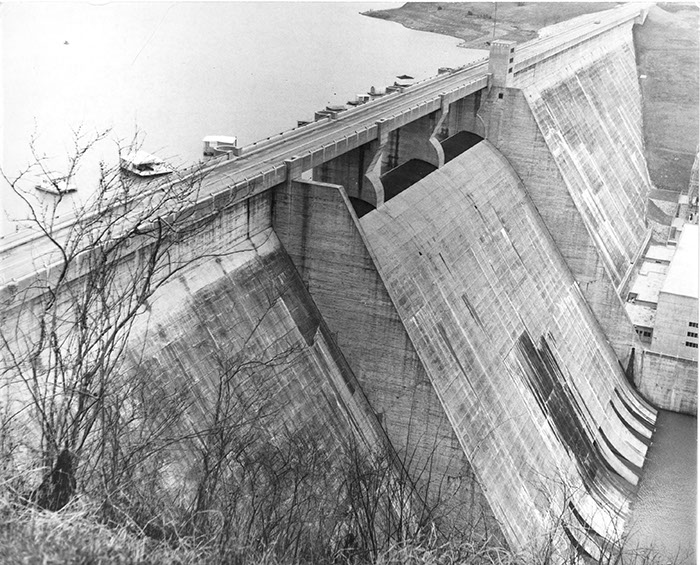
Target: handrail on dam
(356, 112)
(326, 126)
(259, 164)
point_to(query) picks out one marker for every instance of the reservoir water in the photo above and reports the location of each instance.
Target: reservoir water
(179, 71)
(664, 512)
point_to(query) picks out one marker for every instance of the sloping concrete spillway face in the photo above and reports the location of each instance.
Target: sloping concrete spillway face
(242, 317)
(314, 224)
(590, 114)
(533, 391)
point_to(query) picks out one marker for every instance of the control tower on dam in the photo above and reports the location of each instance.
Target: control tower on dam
(437, 275)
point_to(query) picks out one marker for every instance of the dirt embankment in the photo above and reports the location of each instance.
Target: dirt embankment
(478, 23)
(667, 59)
(668, 62)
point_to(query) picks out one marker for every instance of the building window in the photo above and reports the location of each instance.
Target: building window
(691, 344)
(510, 70)
(692, 334)
(511, 60)
(693, 324)
(512, 49)
(500, 95)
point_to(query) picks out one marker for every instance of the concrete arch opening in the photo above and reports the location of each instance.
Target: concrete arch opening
(405, 175)
(459, 143)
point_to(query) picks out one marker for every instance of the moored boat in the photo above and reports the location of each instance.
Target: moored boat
(56, 185)
(144, 164)
(218, 144)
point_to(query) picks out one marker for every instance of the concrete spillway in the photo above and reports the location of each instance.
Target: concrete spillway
(318, 231)
(532, 390)
(243, 316)
(571, 127)
(590, 115)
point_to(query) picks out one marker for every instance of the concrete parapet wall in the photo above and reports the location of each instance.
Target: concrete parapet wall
(491, 308)
(580, 30)
(671, 382)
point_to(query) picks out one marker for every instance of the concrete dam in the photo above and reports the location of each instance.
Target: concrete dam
(440, 272)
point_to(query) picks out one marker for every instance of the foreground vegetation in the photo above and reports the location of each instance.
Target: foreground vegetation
(77, 535)
(108, 458)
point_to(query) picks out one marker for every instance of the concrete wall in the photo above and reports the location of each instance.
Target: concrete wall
(587, 104)
(349, 170)
(239, 303)
(674, 314)
(512, 128)
(319, 232)
(671, 381)
(462, 115)
(415, 140)
(491, 309)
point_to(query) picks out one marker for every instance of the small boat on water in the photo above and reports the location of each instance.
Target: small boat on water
(55, 185)
(143, 164)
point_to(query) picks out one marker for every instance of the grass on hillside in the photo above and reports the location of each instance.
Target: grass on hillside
(473, 22)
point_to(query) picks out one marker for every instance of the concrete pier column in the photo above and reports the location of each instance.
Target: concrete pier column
(348, 170)
(439, 129)
(416, 140)
(463, 116)
(294, 169)
(377, 154)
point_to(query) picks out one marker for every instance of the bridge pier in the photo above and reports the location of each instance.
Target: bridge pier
(352, 170)
(373, 172)
(463, 116)
(361, 170)
(415, 140)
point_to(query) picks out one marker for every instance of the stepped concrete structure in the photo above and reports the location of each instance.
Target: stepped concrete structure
(447, 265)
